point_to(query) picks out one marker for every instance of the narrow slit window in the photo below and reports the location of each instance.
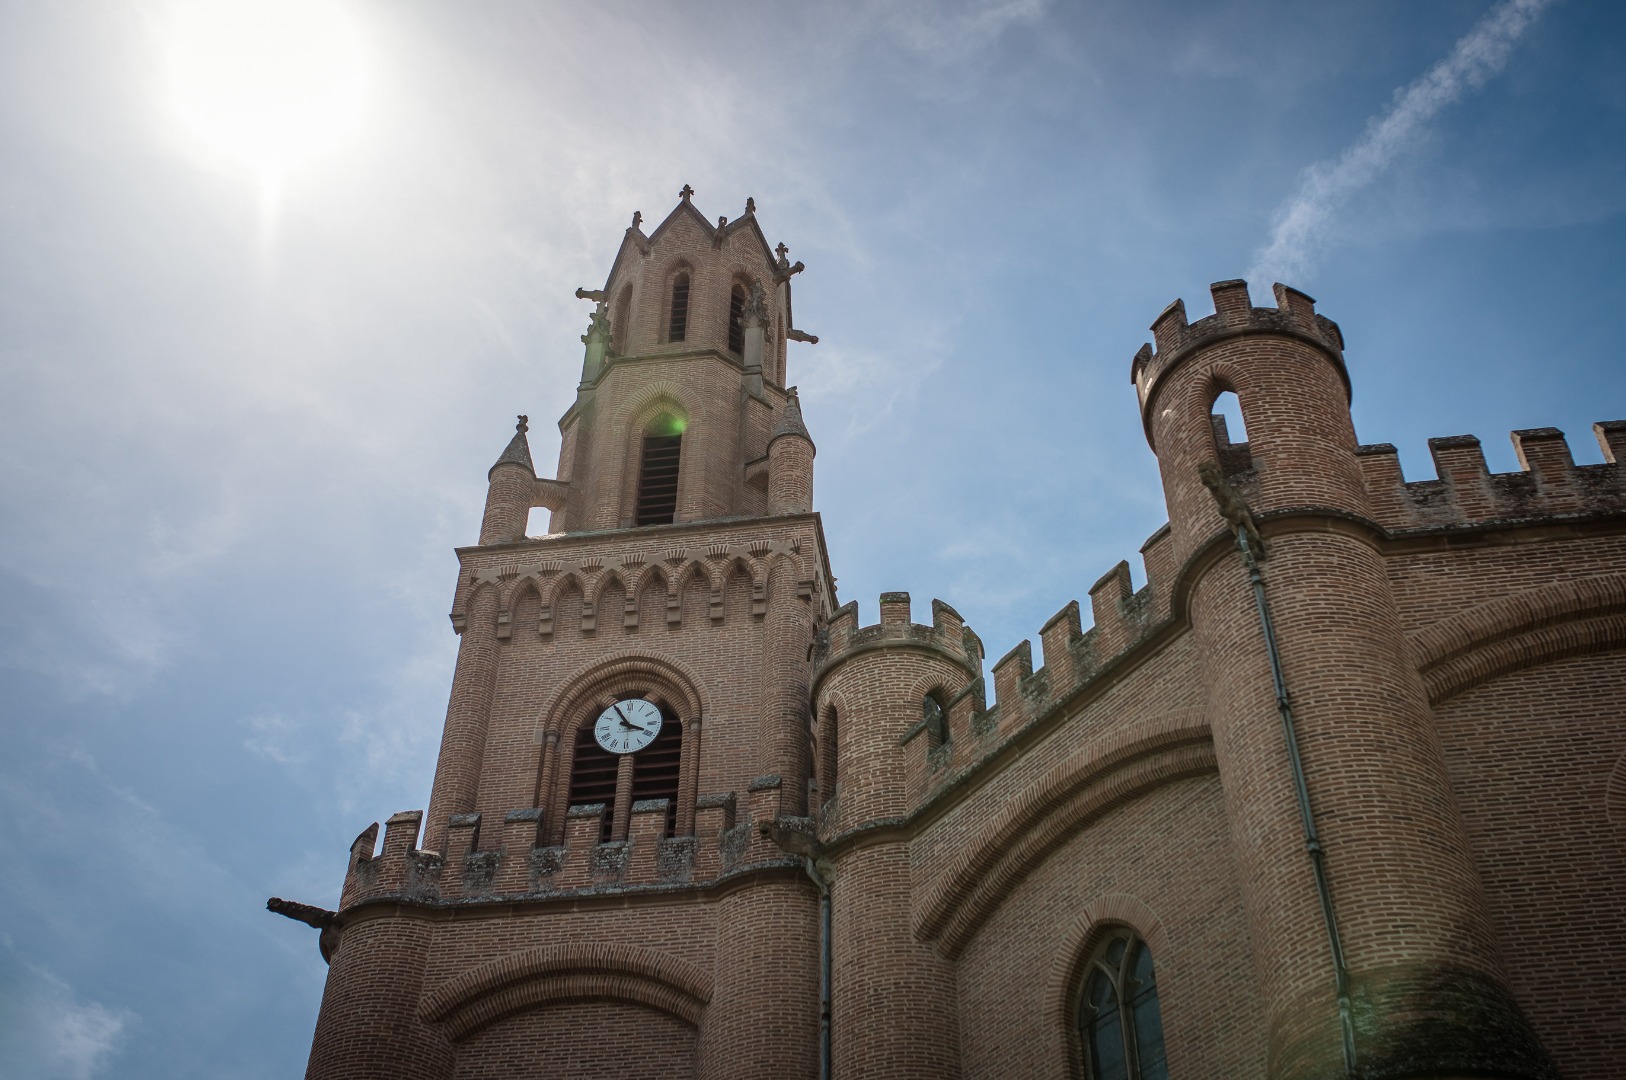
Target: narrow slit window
(658, 472)
(936, 720)
(1230, 434)
(677, 327)
(656, 768)
(736, 320)
(592, 778)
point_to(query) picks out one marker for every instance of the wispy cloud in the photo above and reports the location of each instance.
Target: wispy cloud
(1301, 226)
(54, 1034)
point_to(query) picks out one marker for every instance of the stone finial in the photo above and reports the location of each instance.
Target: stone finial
(784, 269)
(750, 205)
(687, 193)
(524, 424)
(637, 219)
(720, 232)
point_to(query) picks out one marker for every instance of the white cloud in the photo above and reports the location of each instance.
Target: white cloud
(53, 1033)
(275, 738)
(952, 31)
(1301, 225)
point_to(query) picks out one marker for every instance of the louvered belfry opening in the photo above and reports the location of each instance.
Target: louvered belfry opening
(736, 320)
(592, 777)
(658, 473)
(655, 768)
(678, 327)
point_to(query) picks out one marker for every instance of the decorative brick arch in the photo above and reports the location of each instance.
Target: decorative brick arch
(610, 675)
(1524, 630)
(593, 689)
(540, 977)
(1120, 765)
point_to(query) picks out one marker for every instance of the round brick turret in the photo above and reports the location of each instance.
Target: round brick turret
(1427, 994)
(511, 482)
(871, 681)
(790, 462)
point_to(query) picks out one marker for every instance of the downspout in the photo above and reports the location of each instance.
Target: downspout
(1312, 839)
(824, 966)
(822, 874)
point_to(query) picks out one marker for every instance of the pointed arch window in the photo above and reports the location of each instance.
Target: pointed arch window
(620, 319)
(1119, 1022)
(658, 471)
(736, 319)
(677, 324)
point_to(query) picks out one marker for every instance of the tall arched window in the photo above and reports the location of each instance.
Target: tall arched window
(677, 324)
(620, 321)
(1119, 1022)
(658, 471)
(736, 319)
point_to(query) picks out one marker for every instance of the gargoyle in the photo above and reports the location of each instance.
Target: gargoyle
(591, 294)
(1231, 507)
(796, 842)
(796, 335)
(319, 918)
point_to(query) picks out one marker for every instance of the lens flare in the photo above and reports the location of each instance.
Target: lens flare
(270, 84)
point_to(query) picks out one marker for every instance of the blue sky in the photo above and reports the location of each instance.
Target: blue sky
(243, 424)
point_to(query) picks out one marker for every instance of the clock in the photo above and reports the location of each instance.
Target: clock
(628, 726)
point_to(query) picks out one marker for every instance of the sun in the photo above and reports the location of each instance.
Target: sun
(269, 83)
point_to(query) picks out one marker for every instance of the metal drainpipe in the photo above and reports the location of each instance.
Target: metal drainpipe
(1312, 839)
(824, 966)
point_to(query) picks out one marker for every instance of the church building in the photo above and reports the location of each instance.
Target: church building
(1339, 792)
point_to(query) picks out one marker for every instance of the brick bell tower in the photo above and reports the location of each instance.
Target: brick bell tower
(593, 888)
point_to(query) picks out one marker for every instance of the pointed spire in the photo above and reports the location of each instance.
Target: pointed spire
(790, 419)
(519, 449)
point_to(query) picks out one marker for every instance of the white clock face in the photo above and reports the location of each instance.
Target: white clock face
(628, 726)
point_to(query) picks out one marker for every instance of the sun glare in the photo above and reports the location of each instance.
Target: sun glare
(270, 83)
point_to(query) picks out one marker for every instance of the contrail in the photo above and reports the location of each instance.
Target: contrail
(1299, 232)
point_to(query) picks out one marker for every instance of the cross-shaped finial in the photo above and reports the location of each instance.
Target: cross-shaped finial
(750, 205)
(686, 193)
(781, 250)
(524, 424)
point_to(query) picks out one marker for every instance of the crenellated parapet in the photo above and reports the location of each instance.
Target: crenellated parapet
(948, 634)
(1174, 339)
(1548, 484)
(1123, 620)
(502, 860)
